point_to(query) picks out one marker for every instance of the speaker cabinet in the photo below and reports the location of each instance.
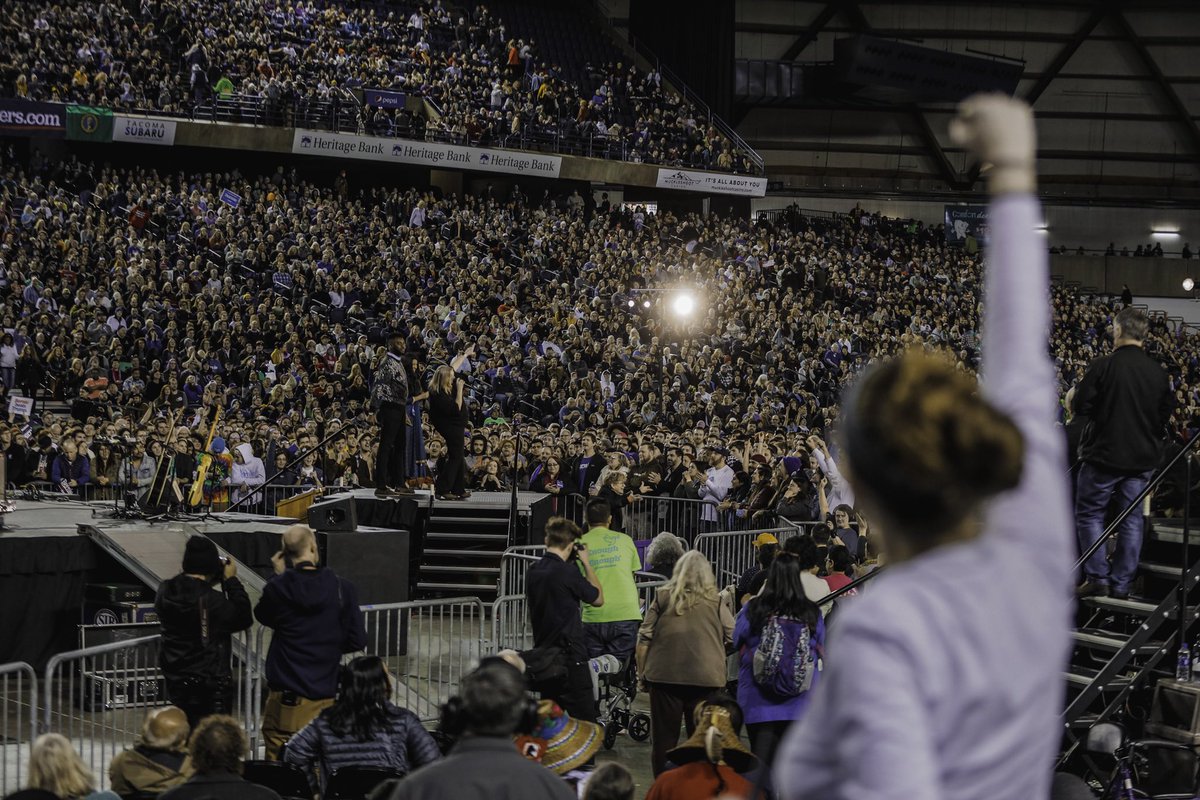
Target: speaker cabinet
(336, 514)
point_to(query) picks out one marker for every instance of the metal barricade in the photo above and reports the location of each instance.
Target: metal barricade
(18, 716)
(97, 697)
(647, 584)
(511, 629)
(250, 649)
(513, 565)
(428, 646)
(732, 552)
(647, 517)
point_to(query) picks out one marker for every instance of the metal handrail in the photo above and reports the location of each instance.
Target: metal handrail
(1111, 530)
(849, 587)
(669, 75)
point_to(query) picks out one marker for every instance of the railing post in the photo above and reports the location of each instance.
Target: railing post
(1186, 563)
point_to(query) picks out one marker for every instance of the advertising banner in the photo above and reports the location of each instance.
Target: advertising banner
(711, 182)
(27, 118)
(381, 98)
(431, 154)
(966, 225)
(144, 131)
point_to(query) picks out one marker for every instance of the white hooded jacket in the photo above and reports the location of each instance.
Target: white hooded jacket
(251, 472)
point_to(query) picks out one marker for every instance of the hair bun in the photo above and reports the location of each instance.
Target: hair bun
(930, 446)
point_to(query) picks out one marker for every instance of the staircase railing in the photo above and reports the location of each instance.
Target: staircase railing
(1175, 603)
(721, 125)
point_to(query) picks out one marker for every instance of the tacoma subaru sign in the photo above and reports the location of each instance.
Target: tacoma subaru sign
(144, 130)
(711, 182)
(428, 154)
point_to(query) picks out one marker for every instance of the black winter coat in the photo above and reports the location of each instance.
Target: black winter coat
(186, 651)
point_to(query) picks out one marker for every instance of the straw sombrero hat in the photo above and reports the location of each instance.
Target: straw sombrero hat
(714, 741)
(569, 743)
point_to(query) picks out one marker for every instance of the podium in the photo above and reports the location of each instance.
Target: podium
(296, 507)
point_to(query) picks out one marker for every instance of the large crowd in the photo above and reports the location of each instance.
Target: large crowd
(136, 296)
(306, 64)
(154, 311)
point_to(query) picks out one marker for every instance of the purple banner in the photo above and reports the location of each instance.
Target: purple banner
(27, 118)
(381, 98)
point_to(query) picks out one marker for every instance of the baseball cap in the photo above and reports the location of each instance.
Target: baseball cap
(765, 538)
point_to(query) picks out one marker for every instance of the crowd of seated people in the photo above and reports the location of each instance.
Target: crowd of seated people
(140, 299)
(304, 65)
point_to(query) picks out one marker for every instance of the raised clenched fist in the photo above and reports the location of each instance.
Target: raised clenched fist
(999, 131)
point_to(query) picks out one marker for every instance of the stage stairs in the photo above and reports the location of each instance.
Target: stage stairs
(464, 541)
(1123, 647)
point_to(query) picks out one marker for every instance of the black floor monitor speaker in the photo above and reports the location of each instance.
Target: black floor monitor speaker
(337, 514)
(347, 512)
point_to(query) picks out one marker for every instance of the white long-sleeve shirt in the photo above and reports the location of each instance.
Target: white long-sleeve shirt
(716, 485)
(840, 492)
(944, 680)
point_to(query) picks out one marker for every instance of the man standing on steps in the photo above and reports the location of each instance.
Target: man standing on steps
(389, 398)
(315, 619)
(612, 628)
(1127, 399)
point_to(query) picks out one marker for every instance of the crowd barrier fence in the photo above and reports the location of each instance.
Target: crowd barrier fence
(428, 646)
(685, 517)
(511, 627)
(97, 696)
(18, 715)
(732, 552)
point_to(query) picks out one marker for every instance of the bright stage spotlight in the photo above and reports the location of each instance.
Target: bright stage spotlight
(1188, 284)
(683, 305)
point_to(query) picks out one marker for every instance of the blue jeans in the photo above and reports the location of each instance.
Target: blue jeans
(611, 638)
(1096, 487)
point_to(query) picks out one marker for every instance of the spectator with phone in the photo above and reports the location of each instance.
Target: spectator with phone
(315, 619)
(555, 587)
(198, 620)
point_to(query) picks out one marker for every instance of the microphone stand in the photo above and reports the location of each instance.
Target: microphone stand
(512, 499)
(299, 458)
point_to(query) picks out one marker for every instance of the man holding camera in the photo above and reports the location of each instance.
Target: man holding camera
(555, 587)
(315, 618)
(198, 619)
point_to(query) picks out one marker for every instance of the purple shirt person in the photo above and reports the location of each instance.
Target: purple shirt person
(943, 680)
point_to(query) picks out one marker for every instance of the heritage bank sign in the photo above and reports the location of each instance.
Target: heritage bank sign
(427, 154)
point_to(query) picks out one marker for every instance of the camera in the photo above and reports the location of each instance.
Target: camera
(224, 560)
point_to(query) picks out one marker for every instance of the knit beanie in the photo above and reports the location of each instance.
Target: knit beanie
(200, 557)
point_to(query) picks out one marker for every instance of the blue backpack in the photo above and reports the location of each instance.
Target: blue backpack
(786, 658)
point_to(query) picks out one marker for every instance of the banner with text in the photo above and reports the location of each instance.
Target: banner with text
(27, 118)
(381, 98)
(430, 154)
(966, 225)
(144, 131)
(711, 182)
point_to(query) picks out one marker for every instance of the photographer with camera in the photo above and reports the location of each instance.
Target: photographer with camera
(315, 618)
(554, 587)
(198, 619)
